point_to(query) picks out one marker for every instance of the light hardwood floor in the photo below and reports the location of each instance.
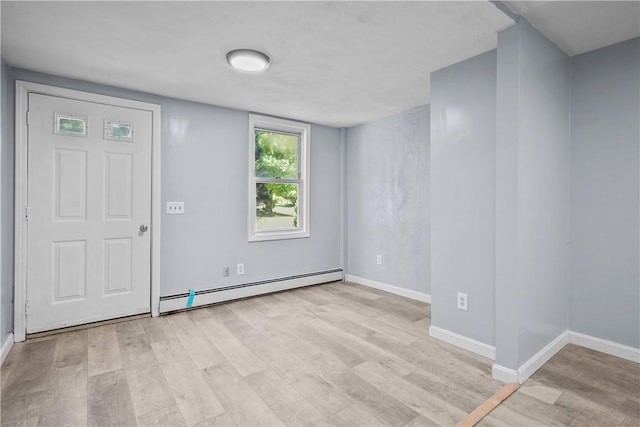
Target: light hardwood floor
(335, 354)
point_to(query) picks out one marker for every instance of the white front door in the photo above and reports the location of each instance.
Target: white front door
(89, 210)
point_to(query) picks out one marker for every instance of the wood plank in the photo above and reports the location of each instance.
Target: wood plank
(65, 413)
(419, 328)
(234, 351)
(157, 329)
(326, 397)
(68, 386)
(586, 411)
(284, 400)
(547, 414)
(150, 390)
(108, 400)
(588, 388)
(135, 345)
(489, 405)
(169, 416)
(240, 401)
(194, 397)
(381, 404)
(416, 398)
(314, 331)
(623, 375)
(507, 417)
(104, 350)
(355, 415)
(223, 420)
(352, 322)
(541, 392)
(264, 323)
(29, 378)
(460, 394)
(421, 421)
(359, 290)
(71, 349)
(201, 350)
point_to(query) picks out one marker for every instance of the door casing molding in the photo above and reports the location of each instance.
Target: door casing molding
(23, 89)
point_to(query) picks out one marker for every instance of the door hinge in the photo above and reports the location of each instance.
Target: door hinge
(26, 307)
(28, 118)
(26, 213)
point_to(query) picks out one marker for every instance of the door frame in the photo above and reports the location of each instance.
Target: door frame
(23, 89)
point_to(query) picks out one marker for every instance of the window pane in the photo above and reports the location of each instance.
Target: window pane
(276, 206)
(68, 124)
(119, 130)
(276, 155)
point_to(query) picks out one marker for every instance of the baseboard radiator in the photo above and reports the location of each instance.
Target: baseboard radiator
(244, 290)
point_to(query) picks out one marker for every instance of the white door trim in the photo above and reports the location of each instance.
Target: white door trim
(21, 155)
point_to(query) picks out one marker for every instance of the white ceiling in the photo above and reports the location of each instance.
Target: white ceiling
(580, 26)
(334, 63)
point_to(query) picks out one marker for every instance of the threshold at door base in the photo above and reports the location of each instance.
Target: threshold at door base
(86, 326)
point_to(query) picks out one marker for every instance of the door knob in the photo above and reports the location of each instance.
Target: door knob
(143, 228)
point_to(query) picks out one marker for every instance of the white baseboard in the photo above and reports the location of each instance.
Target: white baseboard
(464, 342)
(534, 363)
(605, 346)
(503, 374)
(180, 303)
(540, 358)
(389, 288)
(6, 347)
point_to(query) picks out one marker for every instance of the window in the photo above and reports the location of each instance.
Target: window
(70, 124)
(278, 178)
(118, 131)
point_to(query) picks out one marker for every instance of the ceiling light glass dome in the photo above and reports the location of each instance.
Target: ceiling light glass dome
(248, 60)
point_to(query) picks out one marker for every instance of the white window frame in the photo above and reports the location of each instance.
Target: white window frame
(288, 126)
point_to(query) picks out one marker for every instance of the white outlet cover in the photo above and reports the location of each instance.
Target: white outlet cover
(240, 269)
(463, 301)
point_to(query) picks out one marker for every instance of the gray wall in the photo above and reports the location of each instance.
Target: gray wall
(388, 200)
(204, 164)
(6, 200)
(605, 180)
(463, 157)
(532, 192)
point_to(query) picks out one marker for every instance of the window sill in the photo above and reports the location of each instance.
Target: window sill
(278, 235)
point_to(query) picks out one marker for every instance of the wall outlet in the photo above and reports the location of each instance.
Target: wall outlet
(225, 272)
(379, 259)
(462, 301)
(240, 269)
(175, 208)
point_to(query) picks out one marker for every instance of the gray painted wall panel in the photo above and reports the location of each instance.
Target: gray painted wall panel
(543, 184)
(204, 164)
(507, 292)
(605, 183)
(6, 200)
(463, 186)
(388, 200)
(532, 219)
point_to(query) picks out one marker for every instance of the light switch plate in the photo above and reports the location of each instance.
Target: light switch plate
(175, 208)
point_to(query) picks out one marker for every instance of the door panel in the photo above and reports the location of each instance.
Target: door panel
(69, 270)
(70, 178)
(117, 265)
(88, 194)
(118, 186)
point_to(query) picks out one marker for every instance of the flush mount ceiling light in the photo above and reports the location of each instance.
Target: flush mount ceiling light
(248, 60)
